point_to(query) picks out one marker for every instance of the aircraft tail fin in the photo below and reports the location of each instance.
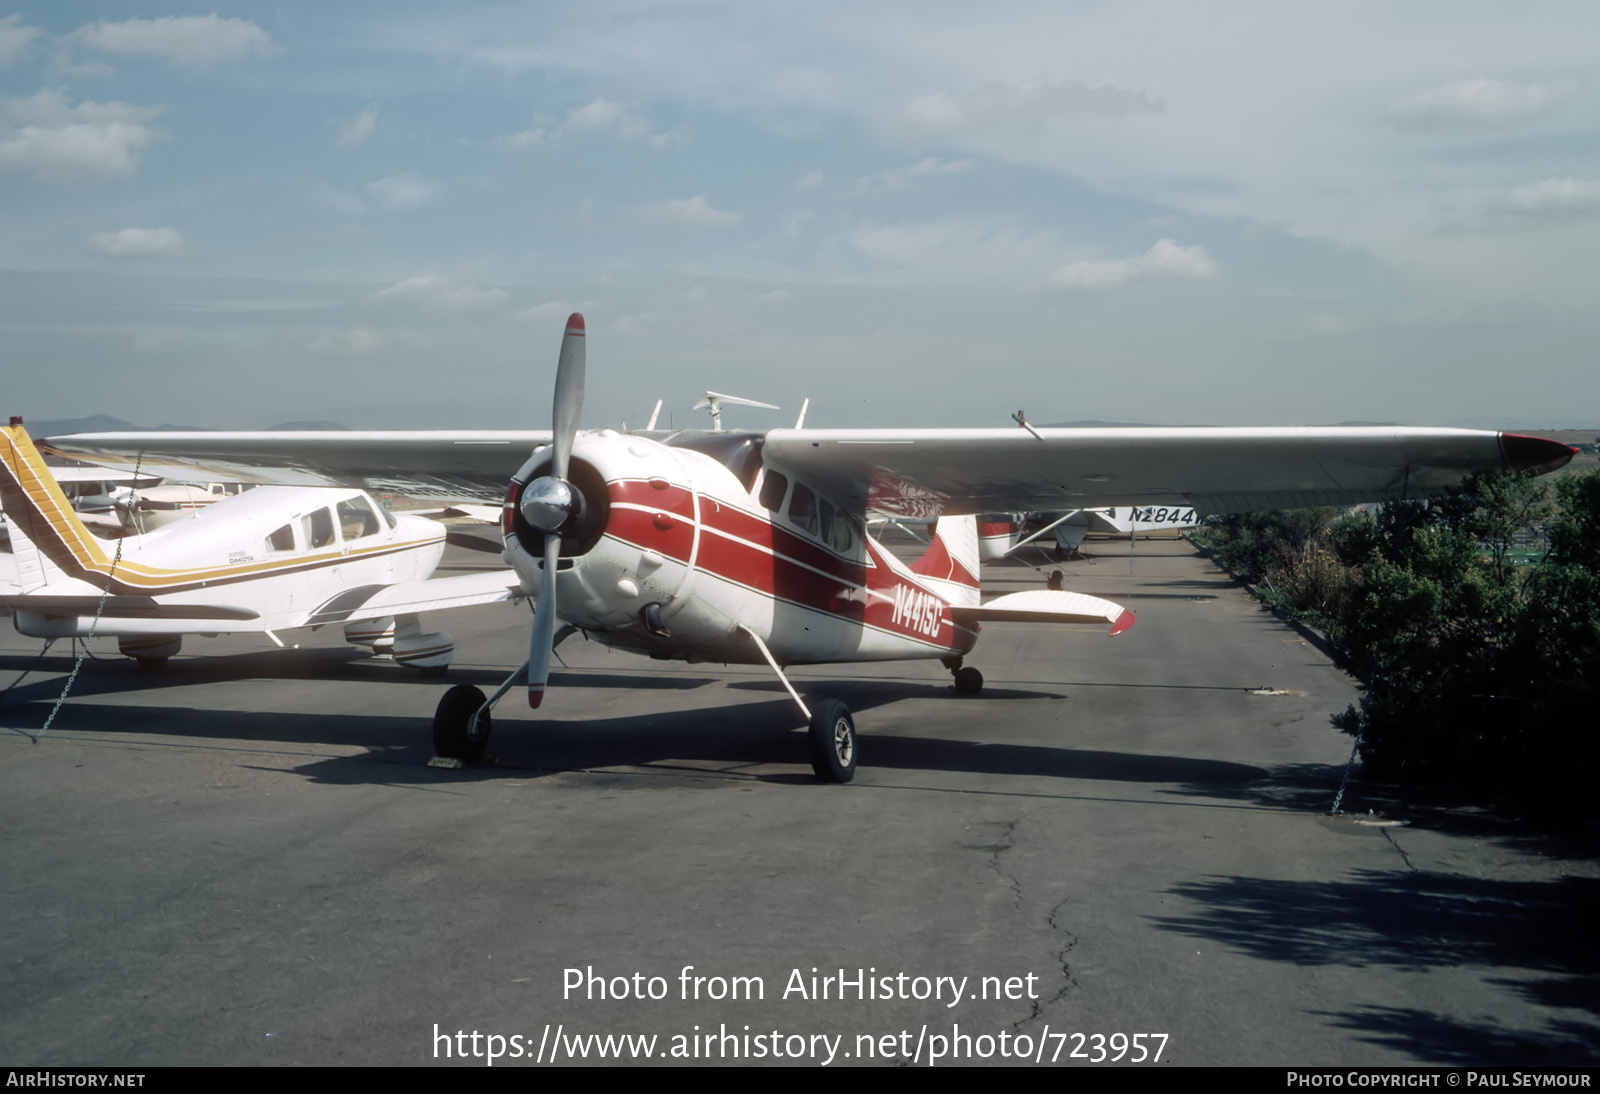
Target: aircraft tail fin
(949, 567)
(46, 535)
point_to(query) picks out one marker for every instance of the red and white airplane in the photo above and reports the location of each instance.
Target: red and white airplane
(750, 547)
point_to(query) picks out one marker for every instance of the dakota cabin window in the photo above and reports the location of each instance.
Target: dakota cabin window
(282, 539)
(356, 519)
(318, 528)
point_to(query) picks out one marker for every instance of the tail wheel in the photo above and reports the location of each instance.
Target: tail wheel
(450, 736)
(833, 742)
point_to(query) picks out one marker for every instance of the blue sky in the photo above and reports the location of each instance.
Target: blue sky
(914, 214)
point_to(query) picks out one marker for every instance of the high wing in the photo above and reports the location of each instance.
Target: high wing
(923, 472)
(461, 465)
(917, 473)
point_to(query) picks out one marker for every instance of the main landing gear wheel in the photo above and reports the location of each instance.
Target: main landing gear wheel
(450, 737)
(969, 681)
(833, 742)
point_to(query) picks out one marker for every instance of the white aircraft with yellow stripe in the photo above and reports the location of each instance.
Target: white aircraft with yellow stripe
(267, 560)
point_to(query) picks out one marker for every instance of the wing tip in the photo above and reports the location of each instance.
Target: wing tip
(1537, 454)
(1123, 622)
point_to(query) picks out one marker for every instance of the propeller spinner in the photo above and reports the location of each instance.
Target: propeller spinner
(550, 504)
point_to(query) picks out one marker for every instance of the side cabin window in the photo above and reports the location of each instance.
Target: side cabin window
(281, 540)
(773, 488)
(814, 516)
(803, 509)
(356, 519)
(840, 539)
(388, 517)
(318, 528)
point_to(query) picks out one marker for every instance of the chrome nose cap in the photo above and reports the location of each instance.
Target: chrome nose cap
(547, 503)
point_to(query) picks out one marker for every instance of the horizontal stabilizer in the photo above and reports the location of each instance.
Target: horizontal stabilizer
(1047, 606)
(375, 601)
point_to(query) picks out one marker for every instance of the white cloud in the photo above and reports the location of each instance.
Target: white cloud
(469, 298)
(437, 294)
(359, 128)
(811, 180)
(1478, 103)
(354, 342)
(959, 249)
(904, 178)
(186, 40)
(137, 243)
(412, 288)
(526, 138)
(14, 38)
(407, 190)
(550, 310)
(1166, 259)
(347, 202)
(45, 137)
(1027, 102)
(687, 213)
(1554, 197)
(603, 115)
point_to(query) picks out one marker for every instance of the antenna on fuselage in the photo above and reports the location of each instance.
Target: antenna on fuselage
(805, 406)
(654, 414)
(713, 401)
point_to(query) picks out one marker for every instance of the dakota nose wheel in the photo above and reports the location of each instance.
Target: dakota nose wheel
(833, 742)
(451, 738)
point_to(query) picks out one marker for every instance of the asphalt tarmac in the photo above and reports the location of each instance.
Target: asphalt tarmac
(1121, 848)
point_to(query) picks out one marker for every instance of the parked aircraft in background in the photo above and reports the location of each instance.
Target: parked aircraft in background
(267, 560)
(1060, 534)
(750, 547)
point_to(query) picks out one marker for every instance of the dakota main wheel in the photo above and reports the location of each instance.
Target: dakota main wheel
(833, 742)
(969, 681)
(450, 736)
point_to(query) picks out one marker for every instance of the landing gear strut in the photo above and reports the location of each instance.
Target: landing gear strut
(832, 731)
(461, 723)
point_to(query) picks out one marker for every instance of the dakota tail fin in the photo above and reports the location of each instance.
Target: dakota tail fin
(46, 535)
(950, 565)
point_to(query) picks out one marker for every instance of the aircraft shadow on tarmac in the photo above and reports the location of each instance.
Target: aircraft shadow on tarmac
(1539, 932)
(710, 742)
(115, 675)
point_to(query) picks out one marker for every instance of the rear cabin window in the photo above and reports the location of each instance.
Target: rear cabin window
(282, 539)
(841, 540)
(773, 487)
(318, 528)
(803, 509)
(356, 519)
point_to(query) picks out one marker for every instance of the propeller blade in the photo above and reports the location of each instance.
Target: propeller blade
(544, 625)
(569, 395)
